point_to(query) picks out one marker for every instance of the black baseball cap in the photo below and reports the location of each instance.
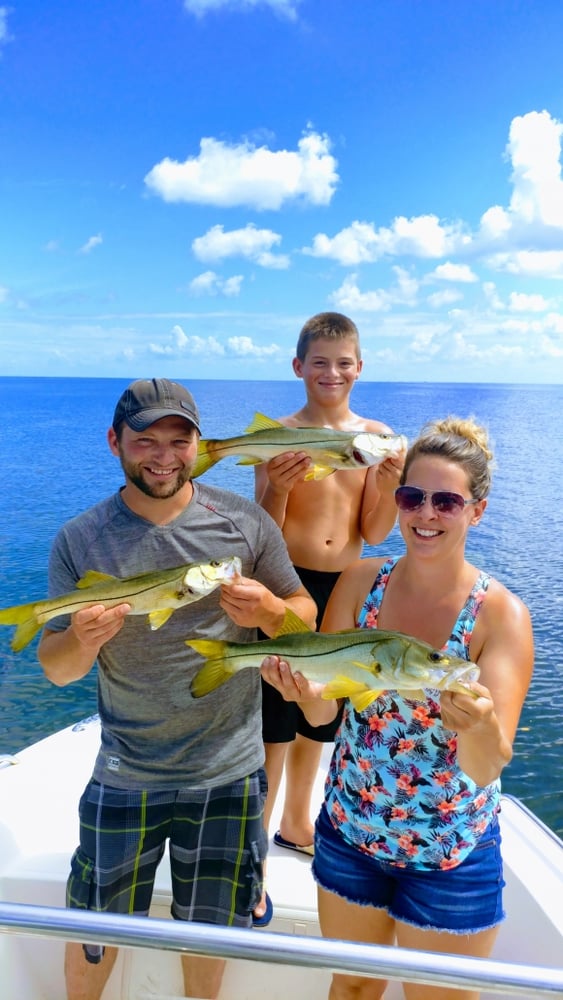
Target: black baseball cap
(148, 400)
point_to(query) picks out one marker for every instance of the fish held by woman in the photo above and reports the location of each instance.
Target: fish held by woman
(355, 663)
(157, 594)
(327, 448)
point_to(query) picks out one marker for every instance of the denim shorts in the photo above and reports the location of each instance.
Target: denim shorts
(462, 900)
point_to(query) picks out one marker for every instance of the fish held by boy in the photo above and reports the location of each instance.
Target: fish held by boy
(327, 448)
(157, 594)
(355, 663)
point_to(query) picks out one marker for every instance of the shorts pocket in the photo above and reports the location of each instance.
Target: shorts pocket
(80, 885)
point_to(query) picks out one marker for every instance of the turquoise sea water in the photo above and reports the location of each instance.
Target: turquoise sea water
(56, 463)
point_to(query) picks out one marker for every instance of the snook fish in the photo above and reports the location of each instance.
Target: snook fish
(328, 449)
(355, 663)
(156, 594)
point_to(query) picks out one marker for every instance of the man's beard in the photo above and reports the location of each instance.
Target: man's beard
(155, 490)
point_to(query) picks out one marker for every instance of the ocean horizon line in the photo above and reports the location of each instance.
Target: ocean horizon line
(284, 381)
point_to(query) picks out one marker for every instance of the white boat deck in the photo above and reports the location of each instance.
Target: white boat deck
(42, 790)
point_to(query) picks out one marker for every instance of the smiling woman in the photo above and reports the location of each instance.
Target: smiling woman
(413, 788)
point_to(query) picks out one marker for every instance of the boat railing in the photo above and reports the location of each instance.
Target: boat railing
(378, 961)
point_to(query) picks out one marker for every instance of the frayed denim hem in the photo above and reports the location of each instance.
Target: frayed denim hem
(459, 932)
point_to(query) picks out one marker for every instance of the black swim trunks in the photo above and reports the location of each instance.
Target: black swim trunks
(282, 720)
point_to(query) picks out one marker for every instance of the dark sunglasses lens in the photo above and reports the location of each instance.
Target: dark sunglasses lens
(408, 497)
(447, 503)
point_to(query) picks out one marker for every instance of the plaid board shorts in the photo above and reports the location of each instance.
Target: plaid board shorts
(217, 848)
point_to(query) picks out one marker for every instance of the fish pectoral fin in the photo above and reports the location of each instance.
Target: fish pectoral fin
(362, 666)
(260, 422)
(92, 577)
(159, 617)
(318, 472)
(342, 686)
(247, 460)
(292, 623)
(363, 701)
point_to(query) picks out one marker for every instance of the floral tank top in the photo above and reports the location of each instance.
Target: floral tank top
(394, 789)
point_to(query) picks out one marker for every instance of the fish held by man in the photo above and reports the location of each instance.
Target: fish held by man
(327, 448)
(157, 594)
(355, 663)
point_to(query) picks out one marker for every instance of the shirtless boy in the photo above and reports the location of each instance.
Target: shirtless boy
(324, 524)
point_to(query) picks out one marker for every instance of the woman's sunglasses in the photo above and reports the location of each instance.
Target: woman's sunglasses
(410, 498)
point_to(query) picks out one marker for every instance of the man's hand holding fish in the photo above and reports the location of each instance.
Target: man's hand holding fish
(96, 625)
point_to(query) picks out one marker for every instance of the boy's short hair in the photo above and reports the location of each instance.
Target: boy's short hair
(327, 326)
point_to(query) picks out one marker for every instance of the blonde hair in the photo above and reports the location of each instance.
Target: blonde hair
(461, 440)
(327, 326)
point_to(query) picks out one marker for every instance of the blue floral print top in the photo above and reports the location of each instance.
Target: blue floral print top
(394, 789)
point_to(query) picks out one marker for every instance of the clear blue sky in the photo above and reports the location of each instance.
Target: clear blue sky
(184, 182)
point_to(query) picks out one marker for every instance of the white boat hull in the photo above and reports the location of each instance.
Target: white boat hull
(39, 831)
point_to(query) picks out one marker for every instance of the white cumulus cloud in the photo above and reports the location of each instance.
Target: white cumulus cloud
(210, 283)
(4, 33)
(453, 272)
(94, 241)
(420, 236)
(534, 263)
(245, 347)
(250, 242)
(244, 174)
(521, 302)
(287, 8)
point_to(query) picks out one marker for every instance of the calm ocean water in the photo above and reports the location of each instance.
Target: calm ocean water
(56, 462)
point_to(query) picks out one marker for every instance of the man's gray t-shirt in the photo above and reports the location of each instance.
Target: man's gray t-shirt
(154, 733)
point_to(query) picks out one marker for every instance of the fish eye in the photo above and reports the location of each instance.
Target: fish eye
(214, 562)
(436, 656)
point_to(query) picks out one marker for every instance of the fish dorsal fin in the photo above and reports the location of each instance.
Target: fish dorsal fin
(292, 623)
(92, 577)
(260, 422)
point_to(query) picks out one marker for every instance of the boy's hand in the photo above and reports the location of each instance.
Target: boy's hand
(284, 471)
(388, 473)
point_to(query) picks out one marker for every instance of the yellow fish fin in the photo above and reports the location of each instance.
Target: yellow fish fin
(204, 460)
(362, 666)
(292, 623)
(92, 577)
(215, 672)
(363, 701)
(343, 687)
(318, 472)
(249, 461)
(262, 423)
(159, 617)
(24, 616)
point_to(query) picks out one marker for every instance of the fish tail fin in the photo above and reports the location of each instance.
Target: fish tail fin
(205, 459)
(216, 670)
(23, 615)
